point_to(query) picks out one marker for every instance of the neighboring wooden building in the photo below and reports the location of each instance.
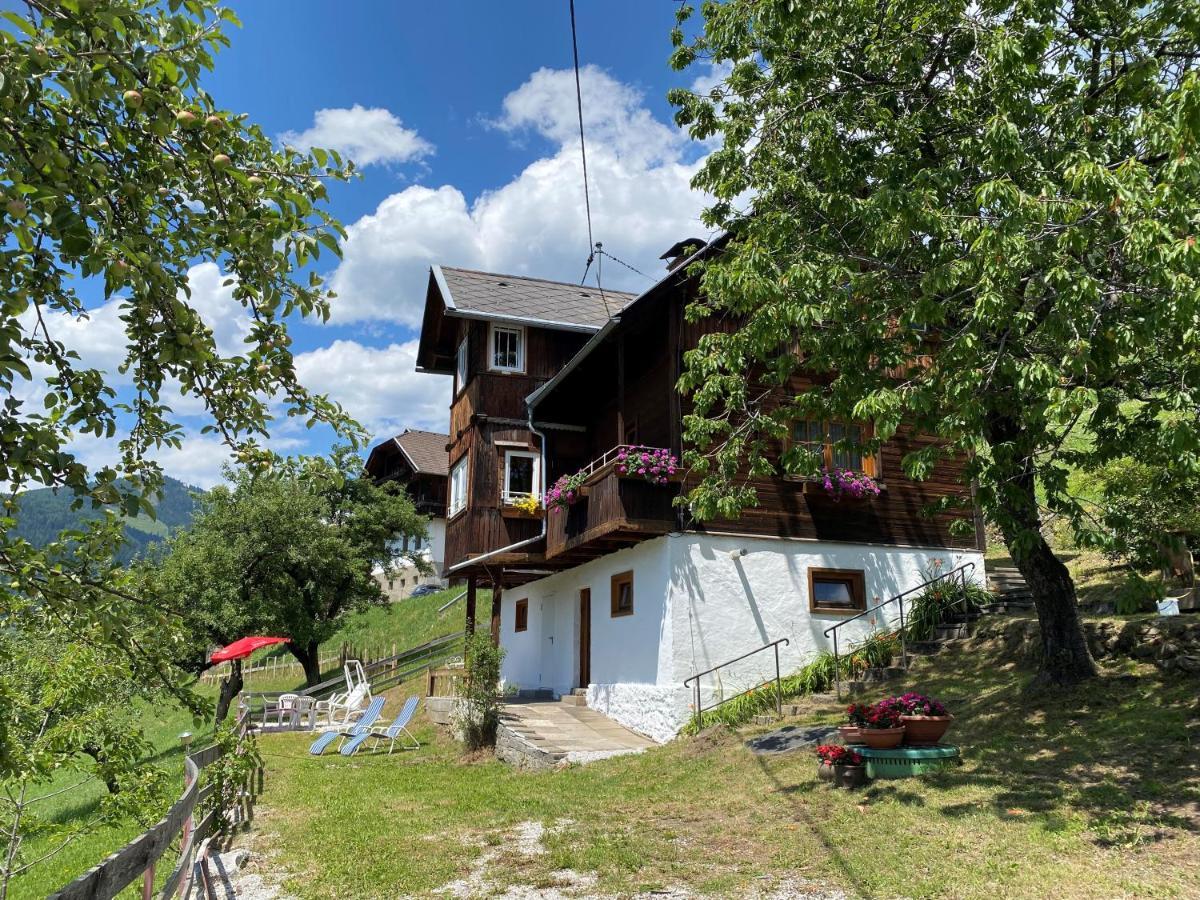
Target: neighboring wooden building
(419, 461)
(554, 379)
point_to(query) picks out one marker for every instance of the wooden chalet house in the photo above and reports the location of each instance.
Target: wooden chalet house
(620, 594)
(418, 461)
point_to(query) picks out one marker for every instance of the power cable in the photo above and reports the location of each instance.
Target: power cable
(587, 200)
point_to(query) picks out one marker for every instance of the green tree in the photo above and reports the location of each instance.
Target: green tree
(287, 551)
(72, 713)
(978, 219)
(118, 174)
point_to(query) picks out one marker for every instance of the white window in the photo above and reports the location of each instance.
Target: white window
(460, 367)
(508, 349)
(522, 475)
(458, 486)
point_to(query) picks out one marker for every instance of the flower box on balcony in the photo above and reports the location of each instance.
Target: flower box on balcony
(516, 512)
(817, 486)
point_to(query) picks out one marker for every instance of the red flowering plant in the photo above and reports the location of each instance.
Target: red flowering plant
(886, 714)
(837, 755)
(856, 714)
(919, 705)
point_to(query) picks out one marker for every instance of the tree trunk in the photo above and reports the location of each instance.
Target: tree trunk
(231, 686)
(1065, 656)
(310, 659)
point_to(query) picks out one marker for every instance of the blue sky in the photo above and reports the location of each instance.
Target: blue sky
(462, 118)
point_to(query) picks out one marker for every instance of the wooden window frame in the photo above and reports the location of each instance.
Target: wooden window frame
(858, 590)
(519, 369)
(521, 615)
(872, 462)
(462, 365)
(615, 584)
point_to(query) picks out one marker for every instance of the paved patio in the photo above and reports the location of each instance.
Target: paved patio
(572, 733)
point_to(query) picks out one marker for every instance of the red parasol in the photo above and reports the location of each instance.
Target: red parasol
(244, 647)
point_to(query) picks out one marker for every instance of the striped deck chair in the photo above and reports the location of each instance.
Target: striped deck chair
(362, 726)
(391, 734)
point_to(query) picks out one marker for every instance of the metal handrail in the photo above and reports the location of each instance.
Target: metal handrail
(778, 687)
(960, 572)
(611, 456)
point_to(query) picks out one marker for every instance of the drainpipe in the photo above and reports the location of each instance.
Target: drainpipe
(522, 543)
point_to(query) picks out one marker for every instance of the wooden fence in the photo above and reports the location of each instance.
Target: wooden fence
(140, 857)
(279, 665)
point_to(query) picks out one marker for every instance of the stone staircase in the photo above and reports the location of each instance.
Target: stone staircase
(1008, 586)
(577, 697)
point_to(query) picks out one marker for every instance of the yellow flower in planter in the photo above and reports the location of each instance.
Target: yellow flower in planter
(529, 504)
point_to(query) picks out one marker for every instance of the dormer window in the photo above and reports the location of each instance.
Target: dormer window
(507, 349)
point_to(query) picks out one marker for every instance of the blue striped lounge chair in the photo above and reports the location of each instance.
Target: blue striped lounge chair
(362, 726)
(394, 732)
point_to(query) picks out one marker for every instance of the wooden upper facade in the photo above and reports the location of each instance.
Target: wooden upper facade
(593, 377)
(417, 460)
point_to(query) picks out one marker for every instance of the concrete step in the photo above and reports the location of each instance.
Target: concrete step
(572, 700)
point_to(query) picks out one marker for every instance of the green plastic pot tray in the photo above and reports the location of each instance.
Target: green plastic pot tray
(908, 762)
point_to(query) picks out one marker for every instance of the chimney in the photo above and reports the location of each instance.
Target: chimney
(680, 251)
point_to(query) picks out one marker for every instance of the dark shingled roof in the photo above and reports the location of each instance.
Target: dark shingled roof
(426, 450)
(530, 299)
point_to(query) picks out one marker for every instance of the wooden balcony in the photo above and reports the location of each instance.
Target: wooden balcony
(616, 511)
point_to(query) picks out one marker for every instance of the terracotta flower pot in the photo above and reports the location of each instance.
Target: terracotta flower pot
(825, 772)
(925, 729)
(851, 734)
(882, 738)
(851, 776)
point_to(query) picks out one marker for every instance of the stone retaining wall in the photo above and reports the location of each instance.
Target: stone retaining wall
(1172, 642)
(520, 753)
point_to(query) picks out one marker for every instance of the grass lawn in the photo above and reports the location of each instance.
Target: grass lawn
(1095, 793)
(406, 623)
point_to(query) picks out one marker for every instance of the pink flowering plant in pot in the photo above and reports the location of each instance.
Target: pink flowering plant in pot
(925, 719)
(564, 492)
(884, 728)
(839, 483)
(655, 464)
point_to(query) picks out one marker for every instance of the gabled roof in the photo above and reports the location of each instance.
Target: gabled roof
(469, 293)
(423, 451)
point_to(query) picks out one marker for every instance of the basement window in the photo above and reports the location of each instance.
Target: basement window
(836, 591)
(622, 594)
(521, 617)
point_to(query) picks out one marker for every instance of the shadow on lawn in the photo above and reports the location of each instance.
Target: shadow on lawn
(1114, 754)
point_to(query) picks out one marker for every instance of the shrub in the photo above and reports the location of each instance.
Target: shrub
(478, 715)
(1137, 594)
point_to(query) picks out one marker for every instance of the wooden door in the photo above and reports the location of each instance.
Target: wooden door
(585, 637)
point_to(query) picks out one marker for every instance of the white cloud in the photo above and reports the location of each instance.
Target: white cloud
(367, 136)
(639, 172)
(198, 461)
(378, 386)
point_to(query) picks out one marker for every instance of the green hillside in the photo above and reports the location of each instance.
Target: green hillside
(44, 512)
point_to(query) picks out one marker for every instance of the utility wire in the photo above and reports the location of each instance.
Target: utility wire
(587, 201)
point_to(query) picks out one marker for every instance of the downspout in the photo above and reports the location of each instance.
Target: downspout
(527, 541)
